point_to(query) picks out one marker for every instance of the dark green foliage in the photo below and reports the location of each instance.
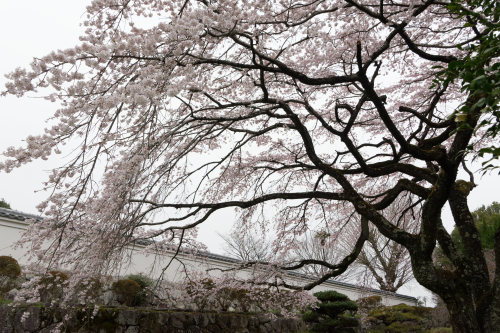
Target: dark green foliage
(142, 280)
(141, 298)
(134, 290)
(487, 220)
(127, 290)
(334, 308)
(400, 318)
(9, 273)
(369, 302)
(478, 72)
(5, 301)
(334, 313)
(4, 204)
(329, 296)
(9, 267)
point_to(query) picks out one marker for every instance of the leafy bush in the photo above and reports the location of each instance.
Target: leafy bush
(369, 302)
(144, 295)
(128, 290)
(398, 319)
(142, 280)
(9, 272)
(233, 298)
(9, 267)
(334, 313)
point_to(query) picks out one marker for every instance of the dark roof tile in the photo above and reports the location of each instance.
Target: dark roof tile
(16, 215)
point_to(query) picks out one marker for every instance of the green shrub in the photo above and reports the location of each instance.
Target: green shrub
(145, 283)
(398, 319)
(334, 313)
(9, 272)
(369, 302)
(128, 290)
(142, 280)
(9, 267)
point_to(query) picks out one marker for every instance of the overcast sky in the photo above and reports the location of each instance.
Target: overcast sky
(33, 28)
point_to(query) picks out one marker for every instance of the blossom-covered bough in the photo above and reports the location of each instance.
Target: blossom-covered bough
(297, 114)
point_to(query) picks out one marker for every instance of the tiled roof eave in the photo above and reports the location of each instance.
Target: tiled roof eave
(17, 215)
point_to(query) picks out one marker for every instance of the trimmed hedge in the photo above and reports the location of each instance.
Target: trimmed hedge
(399, 318)
(128, 290)
(9, 267)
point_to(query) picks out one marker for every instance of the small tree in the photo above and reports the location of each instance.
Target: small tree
(246, 244)
(334, 313)
(4, 204)
(385, 261)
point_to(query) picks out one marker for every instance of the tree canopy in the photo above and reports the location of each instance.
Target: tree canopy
(4, 204)
(303, 115)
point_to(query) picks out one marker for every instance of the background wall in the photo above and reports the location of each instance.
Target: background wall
(151, 264)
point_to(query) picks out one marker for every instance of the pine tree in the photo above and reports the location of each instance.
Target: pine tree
(334, 313)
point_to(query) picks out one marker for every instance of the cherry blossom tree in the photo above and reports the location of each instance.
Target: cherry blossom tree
(309, 110)
(386, 262)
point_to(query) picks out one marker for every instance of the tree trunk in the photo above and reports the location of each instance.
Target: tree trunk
(463, 318)
(469, 311)
(469, 316)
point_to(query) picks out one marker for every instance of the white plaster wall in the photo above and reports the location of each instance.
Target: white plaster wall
(153, 265)
(10, 232)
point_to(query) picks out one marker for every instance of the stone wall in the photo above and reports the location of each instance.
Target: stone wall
(138, 320)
